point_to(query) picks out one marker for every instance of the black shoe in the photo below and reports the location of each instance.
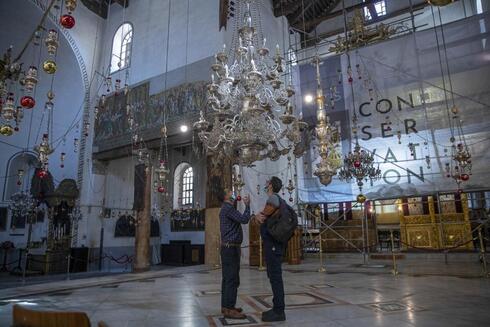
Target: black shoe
(271, 315)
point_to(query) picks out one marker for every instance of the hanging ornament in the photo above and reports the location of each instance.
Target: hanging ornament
(359, 165)
(427, 161)
(462, 168)
(238, 182)
(75, 145)
(51, 42)
(359, 74)
(67, 21)
(37, 38)
(8, 109)
(44, 150)
(108, 83)
(27, 102)
(411, 146)
(42, 173)
(126, 89)
(62, 159)
(19, 114)
(6, 130)
(30, 80)
(162, 172)
(117, 86)
(349, 74)
(70, 5)
(50, 95)
(327, 136)
(49, 106)
(49, 66)
(20, 174)
(161, 189)
(361, 198)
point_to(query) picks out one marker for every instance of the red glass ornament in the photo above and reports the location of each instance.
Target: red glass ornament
(42, 174)
(161, 189)
(27, 102)
(67, 21)
(239, 198)
(351, 79)
(357, 164)
(62, 166)
(465, 177)
(19, 183)
(16, 128)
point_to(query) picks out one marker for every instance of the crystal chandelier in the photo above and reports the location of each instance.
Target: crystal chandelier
(22, 204)
(327, 137)
(359, 165)
(246, 100)
(461, 170)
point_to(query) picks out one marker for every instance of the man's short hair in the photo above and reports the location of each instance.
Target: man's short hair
(276, 184)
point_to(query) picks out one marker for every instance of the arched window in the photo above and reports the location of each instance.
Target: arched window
(121, 47)
(187, 187)
(25, 162)
(183, 185)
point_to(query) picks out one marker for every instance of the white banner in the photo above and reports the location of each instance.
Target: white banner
(403, 101)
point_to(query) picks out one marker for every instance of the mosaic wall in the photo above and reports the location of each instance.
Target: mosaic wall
(149, 112)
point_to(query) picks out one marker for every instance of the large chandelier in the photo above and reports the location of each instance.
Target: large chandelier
(251, 116)
(327, 136)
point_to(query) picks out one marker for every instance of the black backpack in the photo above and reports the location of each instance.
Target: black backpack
(282, 223)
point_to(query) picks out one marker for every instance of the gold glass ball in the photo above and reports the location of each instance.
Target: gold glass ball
(6, 130)
(361, 198)
(49, 66)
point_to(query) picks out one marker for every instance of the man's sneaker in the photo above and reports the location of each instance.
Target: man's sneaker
(271, 315)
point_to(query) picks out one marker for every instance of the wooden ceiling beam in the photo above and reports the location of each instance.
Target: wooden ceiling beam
(314, 22)
(285, 8)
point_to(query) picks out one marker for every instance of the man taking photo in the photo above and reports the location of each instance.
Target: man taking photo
(231, 241)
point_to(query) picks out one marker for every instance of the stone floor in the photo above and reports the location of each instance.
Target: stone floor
(347, 294)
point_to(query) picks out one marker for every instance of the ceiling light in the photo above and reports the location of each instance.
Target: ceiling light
(184, 128)
(308, 98)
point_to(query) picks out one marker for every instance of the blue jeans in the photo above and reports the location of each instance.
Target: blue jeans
(230, 269)
(274, 252)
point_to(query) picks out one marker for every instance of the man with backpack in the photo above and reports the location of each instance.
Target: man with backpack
(278, 221)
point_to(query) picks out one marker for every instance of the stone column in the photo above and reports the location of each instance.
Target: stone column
(142, 237)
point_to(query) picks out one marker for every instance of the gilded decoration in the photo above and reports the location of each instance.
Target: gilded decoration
(421, 236)
(421, 219)
(438, 231)
(360, 35)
